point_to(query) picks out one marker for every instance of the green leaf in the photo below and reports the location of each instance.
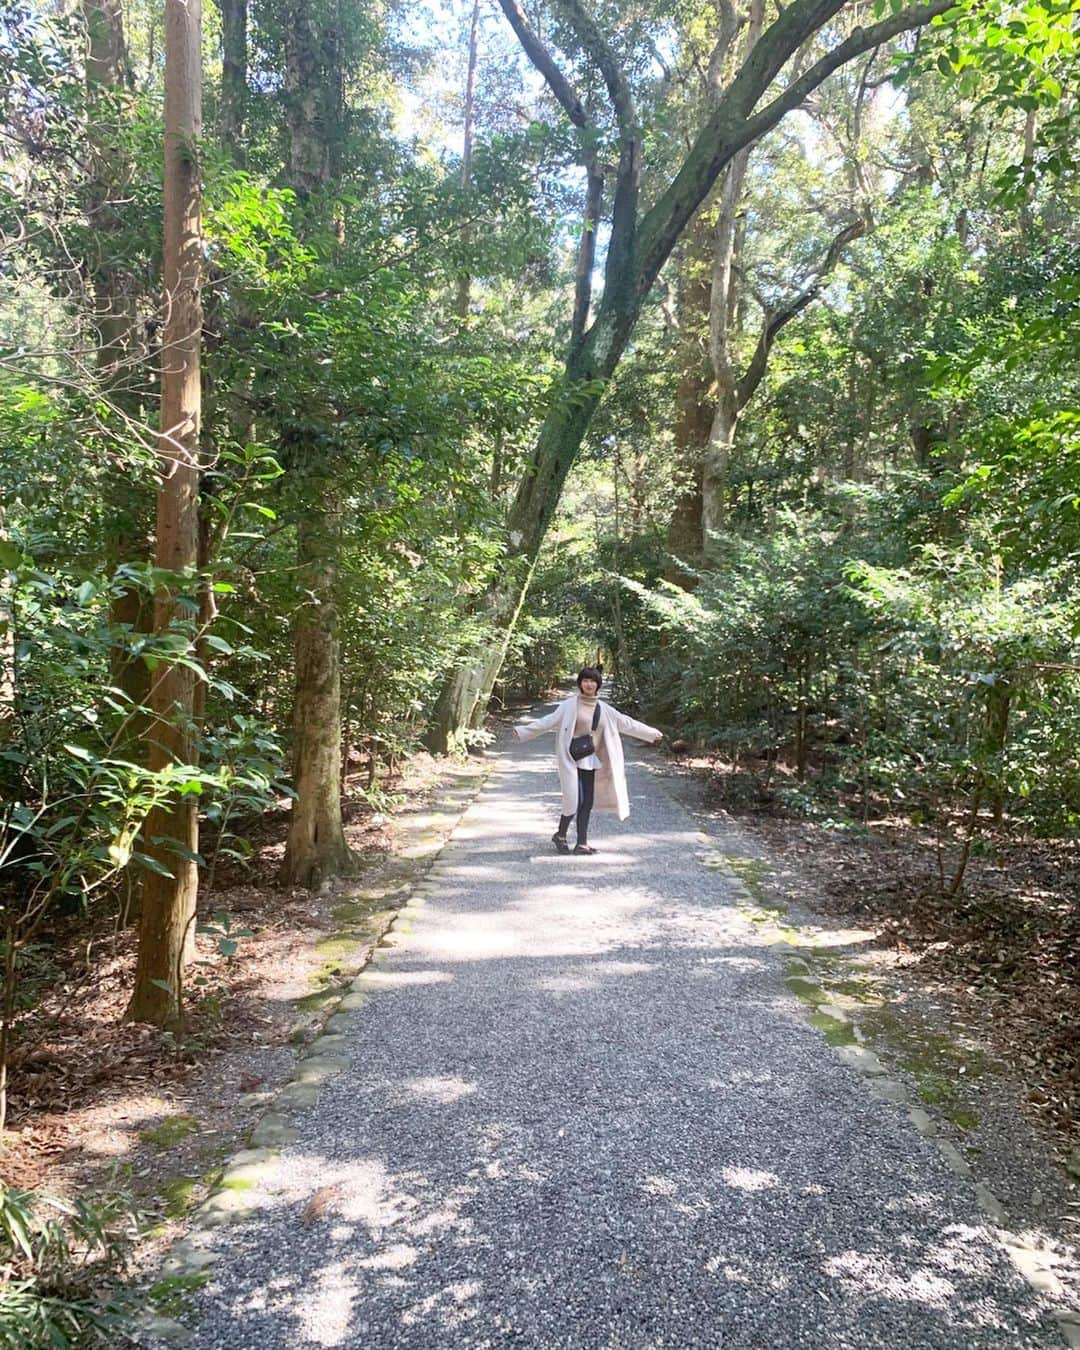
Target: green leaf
(10, 556)
(186, 854)
(152, 864)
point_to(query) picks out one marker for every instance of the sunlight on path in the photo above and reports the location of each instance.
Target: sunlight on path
(583, 1110)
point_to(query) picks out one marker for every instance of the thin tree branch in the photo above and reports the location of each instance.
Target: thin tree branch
(544, 62)
(729, 26)
(596, 46)
(779, 318)
(587, 253)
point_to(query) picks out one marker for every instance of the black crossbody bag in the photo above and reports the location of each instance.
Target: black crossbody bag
(581, 747)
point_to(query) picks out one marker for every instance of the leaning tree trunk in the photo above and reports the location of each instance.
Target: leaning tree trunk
(316, 847)
(465, 695)
(171, 833)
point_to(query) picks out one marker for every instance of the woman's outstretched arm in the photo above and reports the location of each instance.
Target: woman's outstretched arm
(528, 730)
(639, 730)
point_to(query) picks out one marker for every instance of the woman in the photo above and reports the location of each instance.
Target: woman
(599, 777)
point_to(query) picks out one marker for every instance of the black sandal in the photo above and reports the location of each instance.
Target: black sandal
(584, 848)
(561, 843)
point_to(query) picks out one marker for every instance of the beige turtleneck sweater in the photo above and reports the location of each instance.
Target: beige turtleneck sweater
(586, 707)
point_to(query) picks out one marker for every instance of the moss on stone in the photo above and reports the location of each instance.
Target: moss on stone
(236, 1184)
(179, 1195)
(340, 954)
(806, 990)
(169, 1295)
(753, 873)
(940, 1067)
(834, 1031)
(312, 1002)
(335, 953)
(170, 1131)
(854, 989)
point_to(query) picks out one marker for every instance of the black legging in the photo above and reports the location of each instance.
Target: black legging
(586, 781)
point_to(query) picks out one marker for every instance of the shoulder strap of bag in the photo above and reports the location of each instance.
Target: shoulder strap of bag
(596, 717)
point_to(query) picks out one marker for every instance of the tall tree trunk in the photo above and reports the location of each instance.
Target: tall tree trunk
(8, 667)
(234, 18)
(464, 281)
(313, 89)
(693, 407)
(315, 848)
(998, 707)
(723, 306)
(724, 309)
(108, 82)
(171, 834)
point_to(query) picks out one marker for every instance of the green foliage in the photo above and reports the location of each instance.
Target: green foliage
(76, 795)
(979, 680)
(556, 633)
(761, 643)
(243, 761)
(921, 682)
(1011, 58)
(74, 801)
(59, 1261)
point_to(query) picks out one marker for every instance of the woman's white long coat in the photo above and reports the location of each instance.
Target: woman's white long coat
(611, 794)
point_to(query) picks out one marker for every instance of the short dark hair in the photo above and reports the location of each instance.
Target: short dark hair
(590, 673)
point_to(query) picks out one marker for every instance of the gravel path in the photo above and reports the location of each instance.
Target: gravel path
(582, 1110)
